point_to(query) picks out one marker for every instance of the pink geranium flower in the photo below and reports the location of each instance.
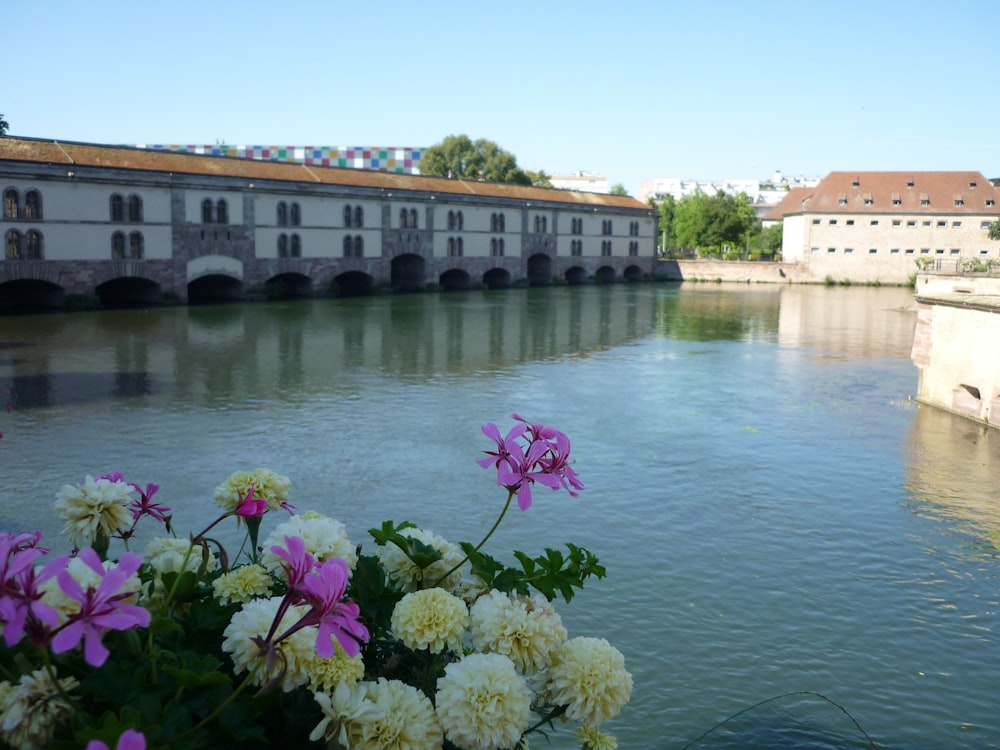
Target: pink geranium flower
(297, 562)
(21, 607)
(129, 740)
(251, 507)
(323, 590)
(102, 608)
(143, 506)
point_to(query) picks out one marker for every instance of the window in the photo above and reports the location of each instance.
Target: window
(984, 224)
(909, 251)
(633, 248)
(296, 249)
(868, 201)
(814, 249)
(909, 183)
(896, 222)
(831, 249)
(925, 199)
(634, 229)
(348, 246)
(10, 200)
(14, 249)
(347, 216)
(222, 211)
(855, 182)
(984, 252)
(990, 202)
(282, 214)
(956, 224)
(815, 221)
(606, 247)
(403, 220)
(541, 224)
(576, 247)
(848, 251)
(896, 199)
(455, 247)
(359, 217)
(939, 251)
(295, 215)
(972, 184)
(497, 223)
(413, 218)
(34, 245)
(874, 222)
(925, 250)
(956, 251)
(496, 246)
(136, 246)
(207, 211)
(359, 246)
(833, 222)
(850, 222)
(117, 208)
(894, 251)
(911, 222)
(959, 202)
(925, 223)
(118, 246)
(942, 223)
(576, 226)
(134, 209)
(282, 245)
(32, 205)
(873, 251)
(606, 227)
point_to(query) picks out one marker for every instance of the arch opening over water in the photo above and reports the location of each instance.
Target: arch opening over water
(214, 289)
(407, 274)
(497, 278)
(128, 291)
(353, 284)
(455, 280)
(30, 295)
(539, 270)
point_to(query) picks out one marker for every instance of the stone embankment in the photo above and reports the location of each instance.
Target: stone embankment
(742, 272)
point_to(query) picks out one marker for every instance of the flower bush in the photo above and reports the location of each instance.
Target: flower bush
(305, 639)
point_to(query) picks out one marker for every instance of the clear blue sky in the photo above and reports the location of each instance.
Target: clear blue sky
(630, 90)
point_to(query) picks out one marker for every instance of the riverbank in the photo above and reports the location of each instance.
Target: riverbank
(750, 272)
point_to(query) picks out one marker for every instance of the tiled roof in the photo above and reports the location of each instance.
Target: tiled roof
(119, 157)
(793, 203)
(903, 193)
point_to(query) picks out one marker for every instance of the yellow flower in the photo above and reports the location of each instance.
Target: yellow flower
(267, 485)
(588, 676)
(593, 739)
(254, 620)
(31, 709)
(483, 703)
(98, 506)
(324, 538)
(526, 629)
(242, 584)
(405, 574)
(405, 719)
(431, 619)
(339, 669)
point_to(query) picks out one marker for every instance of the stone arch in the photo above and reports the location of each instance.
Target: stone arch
(539, 270)
(31, 294)
(605, 275)
(214, 288)
(407, 273)
(576, 275)
(497, 278)
(454, 280)
(353, 284)
(128, 291)
(632, 273)
(288, 285)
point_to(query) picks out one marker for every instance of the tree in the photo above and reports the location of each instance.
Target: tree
(712, 222)
(770, 239)
(995, 230)
(539, 178)
(460, 157)
(618, 189)
(4, 125)
(667, 211)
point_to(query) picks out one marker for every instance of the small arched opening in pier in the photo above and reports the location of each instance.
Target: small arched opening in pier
(497, 278)
(576, 275)
(454, 280)
(539, 270)
(605, 275)
(407, 274)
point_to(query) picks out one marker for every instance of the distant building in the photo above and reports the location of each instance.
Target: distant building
(584, 181)
(867, 226)
(764, 194)
(404, 160)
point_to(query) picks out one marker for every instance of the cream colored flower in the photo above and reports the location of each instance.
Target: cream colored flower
(173, 555)
(431, 619)
(253, 620)
(408, 576)
(324, 538)
(268, 486)
(471, 589)
(344, 711)
(31, 709)
(405, 720)
(98, 506)
(52, 593)
(588, 676)
(594, 739)
(339, 669)
(242, 584)
(483, 703)
(526, 629)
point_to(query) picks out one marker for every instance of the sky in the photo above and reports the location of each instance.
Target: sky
(626, 89)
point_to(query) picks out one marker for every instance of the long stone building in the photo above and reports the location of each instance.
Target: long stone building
(134, 225)
(887, 226)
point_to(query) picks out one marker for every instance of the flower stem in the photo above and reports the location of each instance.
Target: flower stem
(496, 524)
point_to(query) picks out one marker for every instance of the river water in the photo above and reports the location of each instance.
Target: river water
(792, 544)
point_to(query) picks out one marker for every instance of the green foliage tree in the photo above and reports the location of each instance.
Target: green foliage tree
(460, 157)
(713, 222)
(618, 189)
(995, 230)
(770, 239)
(668, 232)
(4, 125)
(539, 178)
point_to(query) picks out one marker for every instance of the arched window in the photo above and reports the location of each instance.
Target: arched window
(359, 217)
(33, 205)
(402, 218)
(134, 208)
(451, 246)
(502, 225)
(282, 245)
(34, 245)
(222, 212)
(10, 200)
(136, 245)
(413, 218)
(14, 250)
(347, 246)
(296, 245)
(117, 208)
(207, 209)
(493, 246)
(296, 215)
(359, 246)
(282, 214)
(118, 245)
(501, 242)
(451, 221)
(493, 222)
(347, 215)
